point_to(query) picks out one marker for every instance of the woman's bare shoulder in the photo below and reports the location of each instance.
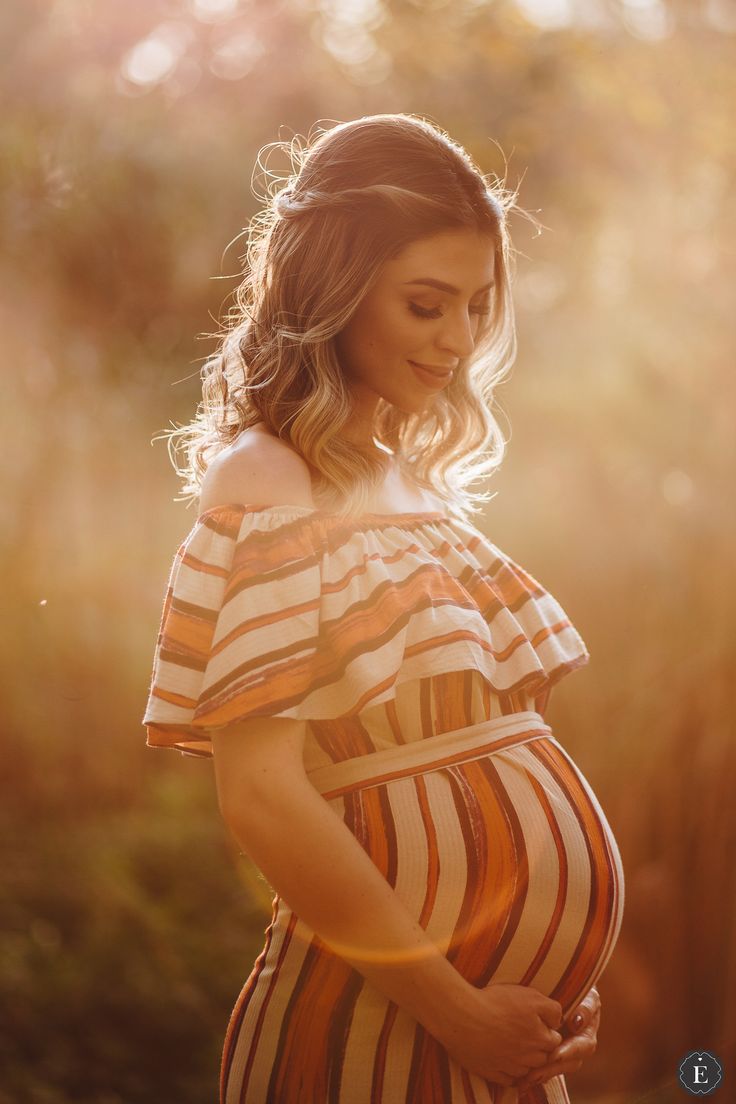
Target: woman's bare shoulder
(257, 469)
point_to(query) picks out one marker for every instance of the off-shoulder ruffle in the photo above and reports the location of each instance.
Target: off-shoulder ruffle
(288, 611)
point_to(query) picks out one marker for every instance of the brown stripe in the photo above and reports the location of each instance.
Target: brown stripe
(204, 567)
(609, 879)
(379, 1061)
(504, 882)
(433, 855)
(340, 1022)
(429, 1072)
(181, 659)
(320, 661)
(559, 906)
(577, 978)
(363, 627)
(324, 984)
(223, 520)
(470, 1097)
(264, 1006)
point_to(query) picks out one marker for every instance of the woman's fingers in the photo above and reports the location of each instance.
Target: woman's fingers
(501, 1078)
(550, 1012)
(588, 1007)
(580, 1045)
(566, 1054)
(540, 1058)
(526, 1066)
(517, 1071)
(571, 1065)
(567, 1058)
(508, 1029)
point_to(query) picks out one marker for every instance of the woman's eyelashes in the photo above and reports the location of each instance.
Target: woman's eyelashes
(425, 312)
(436, 312)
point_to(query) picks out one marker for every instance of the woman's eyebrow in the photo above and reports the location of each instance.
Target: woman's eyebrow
(442, 286)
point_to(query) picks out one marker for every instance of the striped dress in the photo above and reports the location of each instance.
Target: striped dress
(421, 658)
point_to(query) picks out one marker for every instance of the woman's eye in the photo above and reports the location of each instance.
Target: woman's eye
(425, 312)
(435, 312)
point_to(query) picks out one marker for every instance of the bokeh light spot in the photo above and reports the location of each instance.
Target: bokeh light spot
(647, 19)
(155, 58)
(149, 62)
(547, 14)
(211, 11)
(236, 55)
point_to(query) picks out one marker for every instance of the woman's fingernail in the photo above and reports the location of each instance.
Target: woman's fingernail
(577, 1022)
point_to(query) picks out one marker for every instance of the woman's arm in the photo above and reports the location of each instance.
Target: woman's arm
(314, 862)
(317, 866)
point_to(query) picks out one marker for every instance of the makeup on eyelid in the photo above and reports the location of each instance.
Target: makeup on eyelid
(436, 312)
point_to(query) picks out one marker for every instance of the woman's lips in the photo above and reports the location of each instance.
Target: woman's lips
(430, 375)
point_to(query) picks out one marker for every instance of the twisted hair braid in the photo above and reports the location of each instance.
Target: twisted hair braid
(290, 202)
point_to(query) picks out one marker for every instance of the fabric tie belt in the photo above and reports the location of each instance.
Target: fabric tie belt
(443, 750)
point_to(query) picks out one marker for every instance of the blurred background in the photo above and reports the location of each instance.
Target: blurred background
(129, 135)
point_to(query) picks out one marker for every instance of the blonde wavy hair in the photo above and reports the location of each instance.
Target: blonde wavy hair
(358, 193)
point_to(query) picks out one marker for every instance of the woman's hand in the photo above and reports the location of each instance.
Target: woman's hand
(503, 1031)
(335, 888)
(581, 1029)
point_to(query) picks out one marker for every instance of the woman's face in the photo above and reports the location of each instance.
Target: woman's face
(418, 321)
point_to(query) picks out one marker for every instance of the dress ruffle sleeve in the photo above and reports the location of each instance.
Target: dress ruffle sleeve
(284, 611)
(240, 625)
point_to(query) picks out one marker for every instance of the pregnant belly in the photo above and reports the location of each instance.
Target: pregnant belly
(507, 861)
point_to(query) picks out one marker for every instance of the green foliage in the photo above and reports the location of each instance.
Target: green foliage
(127, 938)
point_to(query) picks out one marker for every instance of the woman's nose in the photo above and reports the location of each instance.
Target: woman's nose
(458, 333)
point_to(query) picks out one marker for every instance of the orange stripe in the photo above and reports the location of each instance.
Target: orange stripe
(576, 979)
(493, 875)
(433, 857)
(558, 911)
(267, 684)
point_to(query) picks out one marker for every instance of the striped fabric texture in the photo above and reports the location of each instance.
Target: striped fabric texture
(289, 612)
(507, 861)
(383, 633)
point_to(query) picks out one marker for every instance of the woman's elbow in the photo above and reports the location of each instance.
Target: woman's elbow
(257, 766)
(244, 806)
(263, 804)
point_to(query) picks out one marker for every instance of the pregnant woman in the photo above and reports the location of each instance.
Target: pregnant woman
(369, 671)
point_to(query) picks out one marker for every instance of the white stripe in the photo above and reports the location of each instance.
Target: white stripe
(453, 862)
(279, 996)
(577, 901)
(544, 869)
